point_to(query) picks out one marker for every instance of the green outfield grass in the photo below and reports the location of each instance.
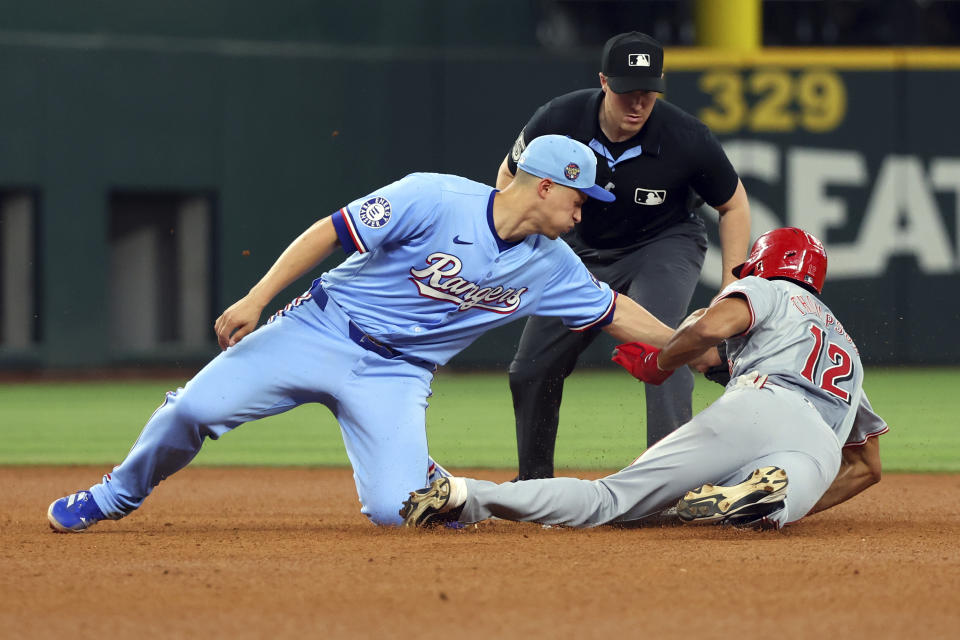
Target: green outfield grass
(470, 423)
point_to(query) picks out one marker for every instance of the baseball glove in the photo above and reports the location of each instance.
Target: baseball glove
(719, 373)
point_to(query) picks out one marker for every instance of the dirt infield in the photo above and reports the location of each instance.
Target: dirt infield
(255, 553)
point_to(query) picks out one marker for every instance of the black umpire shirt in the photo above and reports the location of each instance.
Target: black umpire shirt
(657, 175)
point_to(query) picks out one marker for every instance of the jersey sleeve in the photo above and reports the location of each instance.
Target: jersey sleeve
(714, 178)
(391, 214)
(538, 125)
(866, 424)
(760, 294)
(574, 295)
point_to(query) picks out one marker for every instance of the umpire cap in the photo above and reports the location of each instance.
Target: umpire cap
(633, 62)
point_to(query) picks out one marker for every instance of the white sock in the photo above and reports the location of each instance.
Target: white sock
(458, 492)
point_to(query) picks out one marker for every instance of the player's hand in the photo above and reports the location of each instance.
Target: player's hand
(707, 360)
(715, 368)
(641, 361)
(238, 320)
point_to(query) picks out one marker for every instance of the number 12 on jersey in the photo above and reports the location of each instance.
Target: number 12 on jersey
(841, 369)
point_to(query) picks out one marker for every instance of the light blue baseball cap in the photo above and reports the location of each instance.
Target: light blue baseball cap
(566, 162)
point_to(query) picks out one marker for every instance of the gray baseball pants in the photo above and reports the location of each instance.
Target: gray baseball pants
(661, 276)
(745, 429)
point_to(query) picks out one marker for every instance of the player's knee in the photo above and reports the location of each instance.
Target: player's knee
(191, 409)
(383, 511)
(522, 370)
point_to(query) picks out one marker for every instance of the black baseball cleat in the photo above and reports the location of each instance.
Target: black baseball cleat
(430, 507)
(759, 495)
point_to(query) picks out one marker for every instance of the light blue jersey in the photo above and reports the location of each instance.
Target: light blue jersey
(428, 274)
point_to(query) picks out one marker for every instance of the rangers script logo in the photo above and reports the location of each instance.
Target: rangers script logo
(375, 212)
(440, 282)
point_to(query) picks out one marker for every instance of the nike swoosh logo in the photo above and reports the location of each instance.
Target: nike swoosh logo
(457, 240)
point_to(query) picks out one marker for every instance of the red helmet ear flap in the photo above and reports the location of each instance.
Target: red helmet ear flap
(745, 269)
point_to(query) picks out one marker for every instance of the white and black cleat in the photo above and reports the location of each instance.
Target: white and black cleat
(762, 493)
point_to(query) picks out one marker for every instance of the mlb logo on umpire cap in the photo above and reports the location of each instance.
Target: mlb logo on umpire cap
(638, 59)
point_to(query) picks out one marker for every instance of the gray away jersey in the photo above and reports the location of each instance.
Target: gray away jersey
(798, 342)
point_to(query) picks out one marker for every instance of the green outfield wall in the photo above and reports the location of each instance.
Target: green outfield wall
(270, 124)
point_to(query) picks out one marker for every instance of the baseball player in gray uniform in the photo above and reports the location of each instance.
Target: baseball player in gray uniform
(778, 432)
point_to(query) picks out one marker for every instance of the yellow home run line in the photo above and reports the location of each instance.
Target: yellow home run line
(844, 58)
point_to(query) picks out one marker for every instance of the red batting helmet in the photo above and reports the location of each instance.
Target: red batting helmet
(787, 253)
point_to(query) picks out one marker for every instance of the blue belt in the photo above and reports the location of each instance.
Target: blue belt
(355, 333)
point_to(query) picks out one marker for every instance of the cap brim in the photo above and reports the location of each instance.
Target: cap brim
(599, 193)
(626, 84)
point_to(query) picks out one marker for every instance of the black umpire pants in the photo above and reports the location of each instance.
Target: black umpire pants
(661, 276)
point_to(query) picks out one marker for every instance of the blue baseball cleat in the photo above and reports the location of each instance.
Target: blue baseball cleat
(75, 512)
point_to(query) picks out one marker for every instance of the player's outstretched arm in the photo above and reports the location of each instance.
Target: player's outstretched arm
(859, 469)
(633, 323)
(690, 344)
(727, 317)
(303, 254)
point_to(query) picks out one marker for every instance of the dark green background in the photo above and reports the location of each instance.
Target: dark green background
(286, 114)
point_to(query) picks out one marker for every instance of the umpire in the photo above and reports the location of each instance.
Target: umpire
(649, 244)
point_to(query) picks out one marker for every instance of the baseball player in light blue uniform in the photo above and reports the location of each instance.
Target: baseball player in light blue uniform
(794, 401)
(434, 261)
